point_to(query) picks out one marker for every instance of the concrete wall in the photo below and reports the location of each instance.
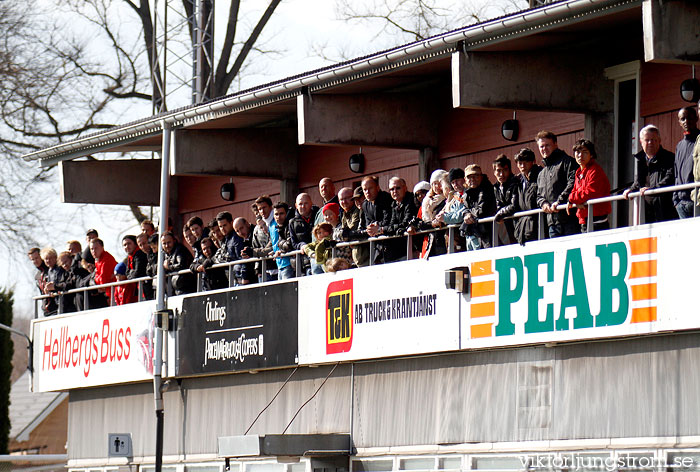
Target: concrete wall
(644, 387)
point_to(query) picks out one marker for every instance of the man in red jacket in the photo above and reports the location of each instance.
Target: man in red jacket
(104, 266)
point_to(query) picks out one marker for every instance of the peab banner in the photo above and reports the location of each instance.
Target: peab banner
(238, 330)
(624, 282)
(98, 347)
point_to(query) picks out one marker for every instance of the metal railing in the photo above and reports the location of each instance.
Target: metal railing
(637, 219)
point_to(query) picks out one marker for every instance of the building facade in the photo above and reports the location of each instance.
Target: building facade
(579, 353)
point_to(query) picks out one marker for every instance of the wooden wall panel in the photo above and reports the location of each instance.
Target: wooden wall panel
(667, 123)
(465, 131)
(316, 162)
(486, 158)
(661, 85)
(199, 193)
(466, 136)
(199, 196)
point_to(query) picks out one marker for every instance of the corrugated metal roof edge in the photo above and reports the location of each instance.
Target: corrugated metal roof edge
(534, 19)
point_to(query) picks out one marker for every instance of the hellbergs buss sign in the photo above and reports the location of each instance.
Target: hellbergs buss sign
(622, 283)
(99, 347)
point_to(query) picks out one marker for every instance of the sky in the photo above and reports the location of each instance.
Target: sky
(300, 31)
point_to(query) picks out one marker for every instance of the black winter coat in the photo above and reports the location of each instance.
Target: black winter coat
(481, 203)
(244, 271)
(378, 211)
(301, 232)
(180, 259)
(658, 172)
(526, 227)
(554, 184)
(301, 229)
(506, 201)
(402, 216)
(212, 278)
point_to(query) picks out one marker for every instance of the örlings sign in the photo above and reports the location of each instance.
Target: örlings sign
(249, 329)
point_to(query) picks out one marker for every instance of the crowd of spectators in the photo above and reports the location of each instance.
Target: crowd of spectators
(464, 197)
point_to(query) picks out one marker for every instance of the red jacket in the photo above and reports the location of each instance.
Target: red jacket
(104, 271)
(590, 182)
(124, 294)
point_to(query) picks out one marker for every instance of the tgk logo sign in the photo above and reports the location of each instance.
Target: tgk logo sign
(339, 319)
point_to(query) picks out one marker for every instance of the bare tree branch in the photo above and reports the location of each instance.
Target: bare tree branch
(222, 87)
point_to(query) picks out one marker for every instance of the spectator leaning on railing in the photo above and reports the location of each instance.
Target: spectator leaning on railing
(135, 262)
(301, 227)
(479, 202)
(506, 189)
(54, 275)
(177, 258)
(326, 188)
(279, 238)
(527, 227)
(243, 247)
(67, 301)
(654, 169)
(350, 223)
(104, 271)
(683, 165)
(403, 216)
(376, 213)
(262, 247)
(212, 278)
(142, 242)
(591, 182)
(433, 243)
(554, 184)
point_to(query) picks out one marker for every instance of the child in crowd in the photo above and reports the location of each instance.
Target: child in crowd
(322, 248)
(123, 294)
(336, 264)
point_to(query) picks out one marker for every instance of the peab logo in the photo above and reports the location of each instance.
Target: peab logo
(339, 322)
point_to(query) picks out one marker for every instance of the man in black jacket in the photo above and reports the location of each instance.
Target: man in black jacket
(554, 184)
(177, 258)
(403, 215)
(526, 227)
(654, 169)
(136, 262)
(142, 242)
(479, 202)
(243, 245)
(212, 278)
(376, 212)
(683, 168)
(506, 190)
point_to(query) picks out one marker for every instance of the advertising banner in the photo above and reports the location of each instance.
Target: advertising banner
(238, 330)
(98, 347)
(621, 283)
(387, 310)
(625, 282)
